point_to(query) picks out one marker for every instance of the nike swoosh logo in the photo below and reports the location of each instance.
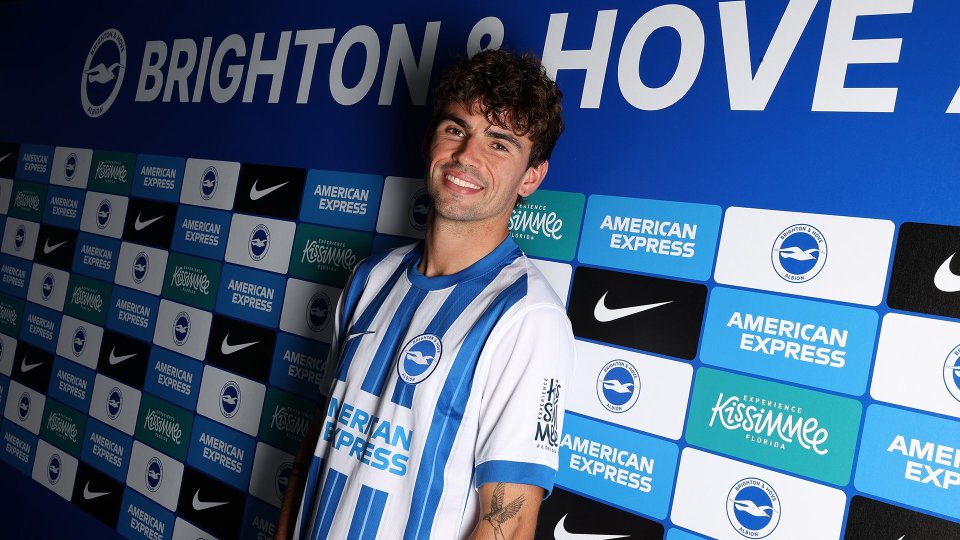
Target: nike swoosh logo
(945, 280)
(47, 248)
(358, 334)
(256, 194)
(604, 314)
(140, 225)
(227, 348)
(560, 533)
(5, 157)
(24, 367)
(88, 495)
(199, 505)
(114, 359)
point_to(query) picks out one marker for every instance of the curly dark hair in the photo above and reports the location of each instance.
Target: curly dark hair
(513, 91)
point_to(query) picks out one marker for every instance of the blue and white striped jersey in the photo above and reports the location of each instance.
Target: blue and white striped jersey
(443, 384)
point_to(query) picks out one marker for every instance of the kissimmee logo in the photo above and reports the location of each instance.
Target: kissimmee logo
(616, 465)
(10, 312)
(88, 299)
(647, 313)
(798, 430)
(568, 516)
(112, 172)
(327, 255)
(103, 72)
(910, 458)
(659, 237)
(285, 420)
(26, 201)
(192, 281)
(926, 270)
(548, 224)
(164, 426)
(870, 519)
(823, 345)
(63, 426)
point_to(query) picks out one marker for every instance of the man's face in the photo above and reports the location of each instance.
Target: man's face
(477, 169)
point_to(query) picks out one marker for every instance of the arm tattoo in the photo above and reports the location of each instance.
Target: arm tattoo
(499, 514)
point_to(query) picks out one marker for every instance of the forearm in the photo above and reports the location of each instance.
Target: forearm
(508, 512)
(293, 495)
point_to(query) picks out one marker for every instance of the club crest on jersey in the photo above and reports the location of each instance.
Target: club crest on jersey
(18, 237)
(229, 399)
(419, 210)
(103, 214)
(753, 508)
(24, 407)
(951, 373)
(799, 253)
(618, 386)
(181, 328)
(259, 242)
(114, 403)
(70, 167)
(79, 340)
(53, 469)
(208, 183)
(46, 288)
(140, 266)
(419, 358)
(153, 474)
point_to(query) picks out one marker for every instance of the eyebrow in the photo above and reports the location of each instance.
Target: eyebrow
(493, 134)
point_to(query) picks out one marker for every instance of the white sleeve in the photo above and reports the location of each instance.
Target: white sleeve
(530, 361)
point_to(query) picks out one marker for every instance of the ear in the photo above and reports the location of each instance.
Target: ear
(532, 179)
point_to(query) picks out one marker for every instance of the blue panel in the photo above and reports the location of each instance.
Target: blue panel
(201, 232)
(221, 452)
(64, 206)
(251, 295)
(107, 449)
(342, 199)
(173, 377)
(158, 177)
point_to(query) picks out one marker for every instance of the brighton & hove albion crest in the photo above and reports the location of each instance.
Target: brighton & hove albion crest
(103, 214)
(153, 474)
(54, 466)
(103, 73)
(419, 210)
(419, 358)
(753, 508)
(229, 399)
(259, 242)
(70, 167)
(46, 287)
(799, 253)
(208, 183)
(140, 266)
(618, 386)
(181, 328)
(79, 340)
(318, 311)
(951, 373)
(19, 237)
(114, 403)
(24, 406)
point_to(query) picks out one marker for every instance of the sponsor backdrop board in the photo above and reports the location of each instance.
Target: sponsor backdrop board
(750, 219)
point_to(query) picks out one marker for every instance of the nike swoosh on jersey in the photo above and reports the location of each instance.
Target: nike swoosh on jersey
(114, 359)
(945, 280)
(604, 314)
(227, 348)
(24, 367)
(199, 505)
(47, 248)
(560, 533)
(358, 334)
(257, 194)
(140, 225)
(88, 495)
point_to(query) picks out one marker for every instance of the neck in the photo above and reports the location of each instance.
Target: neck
(450, 247)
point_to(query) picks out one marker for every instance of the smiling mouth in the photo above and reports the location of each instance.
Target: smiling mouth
(460, 182)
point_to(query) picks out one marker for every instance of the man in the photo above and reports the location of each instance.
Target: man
(444, 415)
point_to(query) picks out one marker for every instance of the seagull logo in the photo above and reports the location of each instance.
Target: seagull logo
(154, 475)
(560, 533)
(90, 495)
(794, 252)
(945, 280)
(199, 505)
(140, 225)
(47, 248)
(618, 387)
(257, 194)
(229, 400)
(750, 507)
(103, 74)
(418, 357)
(54, 470)
(604, 314)
(114, 359)
(227, 348)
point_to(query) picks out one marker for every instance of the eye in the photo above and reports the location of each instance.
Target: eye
(453, 130)
(499, 147)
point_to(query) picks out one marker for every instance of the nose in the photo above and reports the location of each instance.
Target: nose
(468, 151)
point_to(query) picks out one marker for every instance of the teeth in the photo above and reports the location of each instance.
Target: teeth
(461, 183)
